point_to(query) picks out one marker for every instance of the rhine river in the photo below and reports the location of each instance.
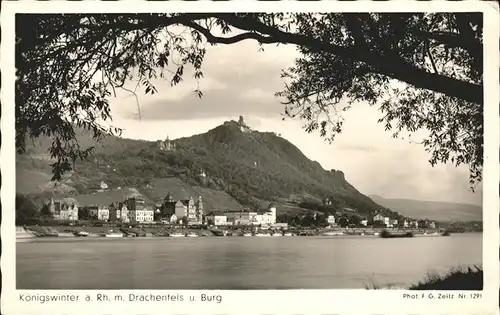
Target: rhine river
(239, 262)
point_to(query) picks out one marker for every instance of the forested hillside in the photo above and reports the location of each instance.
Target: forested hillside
(246, 167)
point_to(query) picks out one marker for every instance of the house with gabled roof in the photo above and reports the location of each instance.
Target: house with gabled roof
(216, 218)
(132, 205)
(118, 212)
(65, 209)
(190, 209)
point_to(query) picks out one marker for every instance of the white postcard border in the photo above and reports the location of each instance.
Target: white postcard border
(261, 301)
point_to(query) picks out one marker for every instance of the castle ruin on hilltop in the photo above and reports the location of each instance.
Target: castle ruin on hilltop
(165, 145)
(243, 126)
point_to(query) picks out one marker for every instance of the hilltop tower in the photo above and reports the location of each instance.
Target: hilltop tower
(165, 145)
(242, 126)
(168, 144)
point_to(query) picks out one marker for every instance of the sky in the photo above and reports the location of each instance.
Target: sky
(241, 80)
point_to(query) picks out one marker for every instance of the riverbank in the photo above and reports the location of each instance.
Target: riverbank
(28, 232)
(457, 278)
(94, 232)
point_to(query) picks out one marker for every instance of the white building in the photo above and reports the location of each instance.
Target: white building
(100, 213)
(220, 220)
(138, 211)
(189, 209)
(241, 217)
(65, 209)
(69, 214)
(121, 212)
(364, 222)
(270, 215)
(217, 219)
(265, 218)
(387, 222)
(142, 215)
(330, 219)
(405, 224)
(378, 218)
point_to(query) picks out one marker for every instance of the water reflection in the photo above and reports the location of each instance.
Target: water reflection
(239, 262)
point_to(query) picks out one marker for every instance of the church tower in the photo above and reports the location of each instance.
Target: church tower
(168, 198)
(199, 209)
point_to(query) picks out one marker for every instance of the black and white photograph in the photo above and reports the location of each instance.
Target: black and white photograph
(250, 151)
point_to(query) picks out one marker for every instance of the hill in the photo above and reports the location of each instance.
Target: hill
(432, 210)
(229, 166)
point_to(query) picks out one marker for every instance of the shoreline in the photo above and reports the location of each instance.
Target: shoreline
(26, 234)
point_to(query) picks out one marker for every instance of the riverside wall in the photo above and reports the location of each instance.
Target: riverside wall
(159, 231)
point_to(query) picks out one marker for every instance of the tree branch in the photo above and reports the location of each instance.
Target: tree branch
(387, 65)
(390, 66)
(431, 58)
(229, 40)
(473, 47)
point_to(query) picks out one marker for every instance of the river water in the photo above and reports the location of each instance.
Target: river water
(239, 262)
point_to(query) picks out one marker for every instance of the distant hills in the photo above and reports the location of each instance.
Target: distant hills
(432, 210)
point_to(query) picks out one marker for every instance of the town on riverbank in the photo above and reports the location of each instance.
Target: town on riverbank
(114, 214)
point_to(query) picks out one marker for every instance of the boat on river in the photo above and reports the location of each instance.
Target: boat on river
(387, 234)
(217, 232)
(192, 234)
(113, 234)
(262, 234)
(288, 234)
(247, 234)
(82, 234)
(177, 235)
(425, 234)
(333, 233)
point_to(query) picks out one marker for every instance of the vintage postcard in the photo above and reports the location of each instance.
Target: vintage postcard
(250, 158)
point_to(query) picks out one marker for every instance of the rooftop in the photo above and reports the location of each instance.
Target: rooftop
(216, 213)
(105, 198)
